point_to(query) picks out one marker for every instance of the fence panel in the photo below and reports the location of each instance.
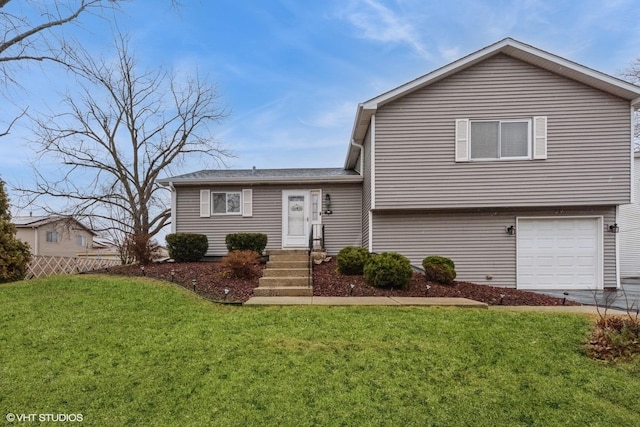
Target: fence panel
(45, 266)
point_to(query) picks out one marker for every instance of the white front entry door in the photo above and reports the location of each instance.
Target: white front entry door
(295, 218)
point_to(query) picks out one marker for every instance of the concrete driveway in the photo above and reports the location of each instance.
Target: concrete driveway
(628, 296)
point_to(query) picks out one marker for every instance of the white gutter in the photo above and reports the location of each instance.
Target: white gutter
(174, 204)
(361, 147)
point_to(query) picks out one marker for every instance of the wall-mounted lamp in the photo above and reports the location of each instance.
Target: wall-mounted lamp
(511, 230)
(614, 228)
(327, 204)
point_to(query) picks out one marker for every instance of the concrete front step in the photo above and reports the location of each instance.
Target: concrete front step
(282, 281)
(288, 264)
(289, 257)
(286, 272)
(286, 291)
(304, 252)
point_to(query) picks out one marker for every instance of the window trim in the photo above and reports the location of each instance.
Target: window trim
(226, 193)
(54, 235)
(527, 120)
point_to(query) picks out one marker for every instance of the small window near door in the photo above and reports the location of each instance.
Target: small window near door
(227, 203)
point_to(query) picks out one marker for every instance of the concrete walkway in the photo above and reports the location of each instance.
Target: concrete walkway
(422, 302)
(436, 302)
(628, 296)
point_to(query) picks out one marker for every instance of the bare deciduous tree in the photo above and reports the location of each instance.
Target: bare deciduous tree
(120, 131)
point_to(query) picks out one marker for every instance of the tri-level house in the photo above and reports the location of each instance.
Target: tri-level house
(512, 161)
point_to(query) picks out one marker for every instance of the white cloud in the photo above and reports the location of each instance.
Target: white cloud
(379, 23)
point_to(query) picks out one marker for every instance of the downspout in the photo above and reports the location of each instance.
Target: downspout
(35, 239)
(361, 147)
(173, 206)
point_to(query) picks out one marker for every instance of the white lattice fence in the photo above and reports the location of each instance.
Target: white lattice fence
(44, 266)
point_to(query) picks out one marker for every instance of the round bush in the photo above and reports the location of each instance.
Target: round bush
(439, 269)
(187, 247)
(389, 269)
(352, 259)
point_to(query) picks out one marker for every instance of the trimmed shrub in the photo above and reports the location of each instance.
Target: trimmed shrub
(439, 269)
(187, 247)
(246, 242)
(352, 259)
(241, 264)
(389, 269)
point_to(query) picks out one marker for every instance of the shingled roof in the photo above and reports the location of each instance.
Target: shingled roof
(263, 176)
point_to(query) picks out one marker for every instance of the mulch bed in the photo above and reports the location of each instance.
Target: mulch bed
(327, 282)
(211, 281)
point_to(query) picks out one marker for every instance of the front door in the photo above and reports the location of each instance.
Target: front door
(295, 218)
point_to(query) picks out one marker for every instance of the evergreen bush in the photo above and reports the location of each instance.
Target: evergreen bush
(386, 270)
(439, 269)
(187, 247)
(14, 253)
(246, 242)
(352, 259)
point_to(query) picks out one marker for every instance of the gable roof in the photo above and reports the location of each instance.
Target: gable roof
(38, 221)
(263, 176)
(510, 47)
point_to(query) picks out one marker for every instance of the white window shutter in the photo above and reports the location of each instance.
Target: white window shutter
(540, 137)
(205, 203)
(247, 202)
(462, 140)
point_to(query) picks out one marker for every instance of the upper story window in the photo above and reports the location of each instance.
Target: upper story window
(512, 139)
(500, 139)
(81, 240)
(52, 236)
(225, 203)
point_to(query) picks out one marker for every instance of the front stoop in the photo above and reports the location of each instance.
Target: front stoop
(286, 274)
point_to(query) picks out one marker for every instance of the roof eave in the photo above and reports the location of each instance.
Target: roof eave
(262, 180)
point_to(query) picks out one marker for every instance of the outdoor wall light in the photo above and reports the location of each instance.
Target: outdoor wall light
(614, 228)
(511, 230)
(327, 204)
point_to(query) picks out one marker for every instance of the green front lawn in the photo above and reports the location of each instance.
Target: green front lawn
(123, 351)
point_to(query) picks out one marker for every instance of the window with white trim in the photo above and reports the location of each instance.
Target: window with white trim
(52, 236)
(81, 240)
(511, 139)
(225, 203)
(499, 139)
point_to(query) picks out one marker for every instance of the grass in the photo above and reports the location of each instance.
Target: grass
(125, 351)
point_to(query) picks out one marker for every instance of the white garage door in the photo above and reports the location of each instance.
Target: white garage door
(559, 253)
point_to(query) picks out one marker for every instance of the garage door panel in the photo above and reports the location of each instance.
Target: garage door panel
(559, 253)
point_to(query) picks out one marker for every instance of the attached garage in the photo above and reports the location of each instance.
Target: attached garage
(559, 253)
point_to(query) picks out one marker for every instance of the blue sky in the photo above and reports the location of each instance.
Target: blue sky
(292, 72)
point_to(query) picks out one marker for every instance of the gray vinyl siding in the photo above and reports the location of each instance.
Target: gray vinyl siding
(366, 189)
(476, 240)
(588, 142)
(629, 236)
(343, 227)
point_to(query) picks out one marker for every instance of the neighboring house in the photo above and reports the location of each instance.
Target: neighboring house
(511, 161)
(629, 229)
(54, 235)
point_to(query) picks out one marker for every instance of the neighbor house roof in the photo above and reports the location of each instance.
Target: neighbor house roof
(510, 47)
(263, 176)
(37, 221)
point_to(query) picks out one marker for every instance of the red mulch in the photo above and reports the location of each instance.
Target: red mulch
(210, 282)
